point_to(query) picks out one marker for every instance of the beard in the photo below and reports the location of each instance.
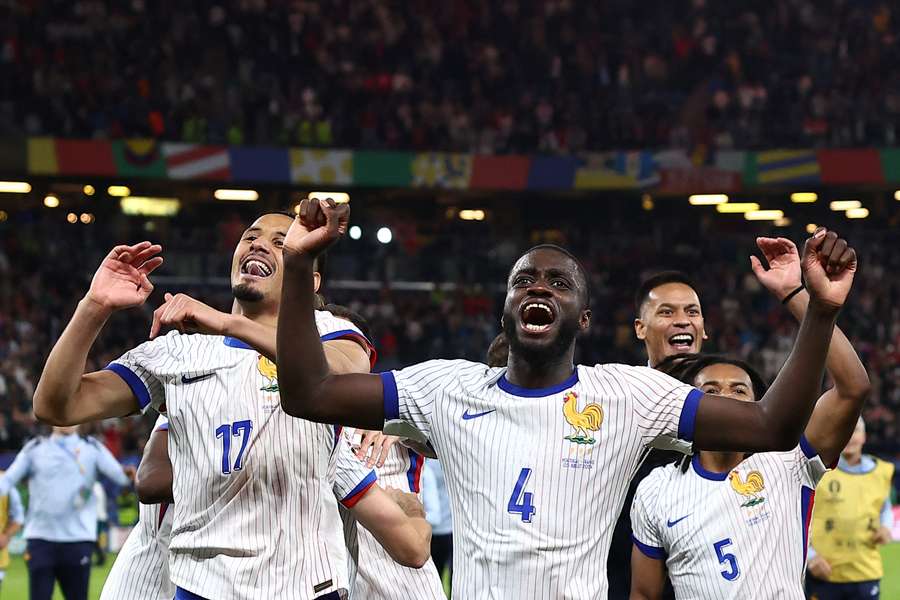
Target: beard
(559, 345)
(246, 293)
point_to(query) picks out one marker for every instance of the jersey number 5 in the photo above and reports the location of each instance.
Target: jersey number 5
(226, 432)
(525, 507)
(726, 557)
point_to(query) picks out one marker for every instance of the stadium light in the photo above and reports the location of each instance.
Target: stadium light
(647, 202)
(89, 190)
(355, 232)
(471, 215)
(782, 222)
(844, 204)
(897, 195)
(51, 201)
(150, 207)
(15, 187)
(338, 197)
(87, 218)
(239, 195)
(811, 228)
(72, 218)
(857, 213)
(737, 207)
(764, 215)
(384, 235)
(3, 215)
(118, 191)
(707, 199)
(804, 197)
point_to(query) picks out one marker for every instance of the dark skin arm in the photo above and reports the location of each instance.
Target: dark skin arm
(153, 482)
(648, 576)
(310, 391)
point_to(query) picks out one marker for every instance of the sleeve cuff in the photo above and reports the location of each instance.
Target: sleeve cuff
(649, 551)
(357, 493)
(688, 417)
(134, 382)
(808, 450)
(391, 398)
(163, 427)
(349, 334)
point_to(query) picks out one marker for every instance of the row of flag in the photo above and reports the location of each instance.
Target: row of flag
(671, 171)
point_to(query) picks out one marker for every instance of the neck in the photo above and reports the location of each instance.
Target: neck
(720, 462)
(852, 459)
(261, 312)
(539, 373)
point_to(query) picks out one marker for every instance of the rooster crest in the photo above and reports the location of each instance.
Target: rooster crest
(268, 370)
(584, 421)
(750, 488)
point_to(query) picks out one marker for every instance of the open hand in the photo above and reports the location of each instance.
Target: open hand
(374, 447)
(318, 225)
(784, 273)
(819, 568)
(188, 315)
(122, 280)
(829, 265)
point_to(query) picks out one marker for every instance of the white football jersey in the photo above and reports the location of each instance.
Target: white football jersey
(141, 570)
(537, 477)
(254, 514)
(378, 576)
(741, 534)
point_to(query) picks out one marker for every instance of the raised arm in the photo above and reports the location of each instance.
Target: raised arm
(777, 421)
(397, 520)
(308, 387)
(837, 410)
(65, 395)
(153, 482)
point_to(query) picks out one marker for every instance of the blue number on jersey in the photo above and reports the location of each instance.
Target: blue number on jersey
(226, 431)
(524, 508)
(733, 571)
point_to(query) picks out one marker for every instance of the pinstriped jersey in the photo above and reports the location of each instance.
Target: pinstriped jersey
(141, 570)
(537, 477)
(254, 511)
(378, 576)
(741, 534)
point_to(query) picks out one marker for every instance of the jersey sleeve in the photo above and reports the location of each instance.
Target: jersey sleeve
(664, 408)
(410, 394)
(807, 463)
(16, 509)
(352, 479)
(335, 328)
(645, 531)
(162, 424)
(140, 369)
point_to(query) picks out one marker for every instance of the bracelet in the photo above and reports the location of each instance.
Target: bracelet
(799, 289)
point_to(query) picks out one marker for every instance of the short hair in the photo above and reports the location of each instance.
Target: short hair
(342, 312)
(654, 281)
(582, 272)
(686, 367)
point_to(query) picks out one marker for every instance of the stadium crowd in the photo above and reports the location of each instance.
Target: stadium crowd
(410, 326)
(492, 77)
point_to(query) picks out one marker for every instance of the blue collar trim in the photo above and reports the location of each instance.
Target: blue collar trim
(711, 475)
(504, 384)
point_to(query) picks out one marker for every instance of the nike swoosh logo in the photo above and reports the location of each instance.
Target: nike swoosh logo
(467, 416)
(676, 521)
(186, 379)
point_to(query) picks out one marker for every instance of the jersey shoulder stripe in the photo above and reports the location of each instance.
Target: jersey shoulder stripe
(357, 493)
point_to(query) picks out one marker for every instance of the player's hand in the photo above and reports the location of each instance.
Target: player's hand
(4, 541)
(882, 536)
(122, 280)
(130, 471)
(409, 503)
(374, 447)
(819, 568)
(784, 273)
(187, 315)
(829, 265)
(318, 225)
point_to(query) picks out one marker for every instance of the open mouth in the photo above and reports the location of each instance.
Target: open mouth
(257, 266)
(537, 317)
(683, 342)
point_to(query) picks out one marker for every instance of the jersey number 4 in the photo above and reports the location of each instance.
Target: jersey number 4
(239, 429)
(732, 572)
(525, 507)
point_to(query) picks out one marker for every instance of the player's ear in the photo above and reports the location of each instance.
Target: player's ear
(640, 330)
(585, 321)
(317, 281)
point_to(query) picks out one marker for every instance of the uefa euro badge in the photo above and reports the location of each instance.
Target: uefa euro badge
(268, 370)
(749, 488)
(585, 421)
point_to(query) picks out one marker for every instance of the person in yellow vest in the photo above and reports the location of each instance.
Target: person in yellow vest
(851, 519)
(12, 517)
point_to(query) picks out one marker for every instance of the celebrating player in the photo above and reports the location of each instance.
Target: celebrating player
(538, 455)
(252, 515)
